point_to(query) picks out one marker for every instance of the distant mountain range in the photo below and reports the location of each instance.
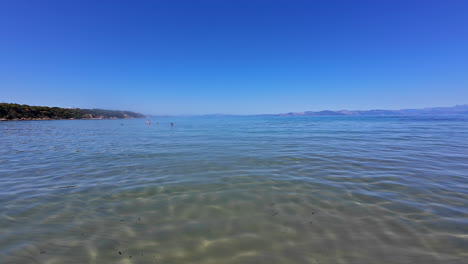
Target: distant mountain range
(454, 110)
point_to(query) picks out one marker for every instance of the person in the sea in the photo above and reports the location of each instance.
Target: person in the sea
(172, 124)
(148, 123)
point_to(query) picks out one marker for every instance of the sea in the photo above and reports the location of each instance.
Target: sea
(235, 189)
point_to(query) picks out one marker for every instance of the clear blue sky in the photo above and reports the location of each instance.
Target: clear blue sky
(234, 57)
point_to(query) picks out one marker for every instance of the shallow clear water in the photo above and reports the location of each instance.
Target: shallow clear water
(235, 190)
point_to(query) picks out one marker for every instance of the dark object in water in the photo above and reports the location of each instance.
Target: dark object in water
(42, 252)
(313, 212)
(71, 186)
(274, 214)
(120, 253)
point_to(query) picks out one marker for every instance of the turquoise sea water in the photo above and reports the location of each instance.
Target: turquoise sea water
(235, 190)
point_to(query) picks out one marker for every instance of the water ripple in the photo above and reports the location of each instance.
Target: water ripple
(235, 190)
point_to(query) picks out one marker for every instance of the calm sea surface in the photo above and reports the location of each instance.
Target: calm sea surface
(235, 190)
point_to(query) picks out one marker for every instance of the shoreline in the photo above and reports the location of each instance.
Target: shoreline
(51, 119)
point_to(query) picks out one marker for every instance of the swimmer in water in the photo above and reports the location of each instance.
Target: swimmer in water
(172, 124)
(148, 123)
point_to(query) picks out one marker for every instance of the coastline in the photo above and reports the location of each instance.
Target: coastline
(50, 119)
(17, 112)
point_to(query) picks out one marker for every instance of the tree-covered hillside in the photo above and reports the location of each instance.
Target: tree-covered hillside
(26, 112)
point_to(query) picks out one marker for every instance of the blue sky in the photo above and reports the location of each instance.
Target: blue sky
(234, 57)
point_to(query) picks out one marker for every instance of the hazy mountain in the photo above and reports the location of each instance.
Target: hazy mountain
(454, 110)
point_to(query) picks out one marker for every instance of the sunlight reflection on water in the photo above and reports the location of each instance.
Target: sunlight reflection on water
(235, 190)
